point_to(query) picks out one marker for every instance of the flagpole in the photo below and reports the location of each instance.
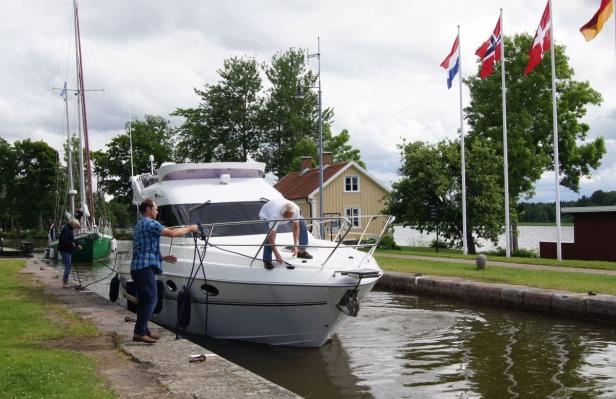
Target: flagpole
(505, 151)
(555, 123)
(464, 243)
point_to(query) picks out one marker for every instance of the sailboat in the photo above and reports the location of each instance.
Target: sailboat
(95, 237)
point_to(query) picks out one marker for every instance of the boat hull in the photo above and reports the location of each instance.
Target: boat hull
(94, 246)
(274, 314)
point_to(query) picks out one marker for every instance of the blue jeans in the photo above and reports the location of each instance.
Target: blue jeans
(303, 241)
(67, 259)
(145, 282)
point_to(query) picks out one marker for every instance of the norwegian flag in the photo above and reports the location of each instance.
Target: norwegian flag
(491, 51)
(541, 44)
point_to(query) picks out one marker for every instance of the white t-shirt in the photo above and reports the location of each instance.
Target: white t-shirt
(274, 209)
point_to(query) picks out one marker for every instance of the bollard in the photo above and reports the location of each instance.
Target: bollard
(481, 261)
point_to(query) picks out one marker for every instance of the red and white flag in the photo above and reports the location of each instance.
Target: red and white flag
(491, 51)
(541, 44)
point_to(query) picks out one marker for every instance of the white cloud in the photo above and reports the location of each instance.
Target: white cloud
(380, 63)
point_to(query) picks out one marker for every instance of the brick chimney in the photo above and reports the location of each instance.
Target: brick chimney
(305, 162)
(328, 158)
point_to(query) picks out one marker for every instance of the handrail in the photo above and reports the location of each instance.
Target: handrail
(345, 226)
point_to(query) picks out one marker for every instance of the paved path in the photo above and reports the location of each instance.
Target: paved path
(160, 371)
(501, 264)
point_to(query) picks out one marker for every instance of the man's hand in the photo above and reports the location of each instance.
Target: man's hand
(295, 250)
(279, 258)
(170, 258)
(194, 228)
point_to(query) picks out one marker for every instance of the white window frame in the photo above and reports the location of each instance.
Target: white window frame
(355, 219)
(351, 184)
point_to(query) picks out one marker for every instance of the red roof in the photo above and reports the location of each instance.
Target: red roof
(298, 185)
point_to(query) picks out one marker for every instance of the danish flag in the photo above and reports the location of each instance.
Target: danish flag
(491, 51)
(541, 44)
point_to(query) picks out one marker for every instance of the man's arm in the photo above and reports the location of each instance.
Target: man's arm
(178, 232)
(271, 239)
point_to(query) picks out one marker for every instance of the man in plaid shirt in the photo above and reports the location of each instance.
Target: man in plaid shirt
(147, 263)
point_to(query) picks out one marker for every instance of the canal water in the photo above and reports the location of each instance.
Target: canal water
(404, 346)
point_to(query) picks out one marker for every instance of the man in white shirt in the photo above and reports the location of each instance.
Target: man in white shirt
(279, 209)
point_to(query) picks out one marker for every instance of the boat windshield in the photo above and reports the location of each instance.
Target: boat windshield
(222, 212)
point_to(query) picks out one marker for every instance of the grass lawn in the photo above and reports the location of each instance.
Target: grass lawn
(457, 254)
(29, 318)
(575, 282)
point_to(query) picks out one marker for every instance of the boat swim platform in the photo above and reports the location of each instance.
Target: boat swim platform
(161, 370)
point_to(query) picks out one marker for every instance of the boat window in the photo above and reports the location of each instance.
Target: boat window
(174, 215)
(187, 174)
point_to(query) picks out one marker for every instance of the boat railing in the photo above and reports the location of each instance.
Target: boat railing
(339, 228)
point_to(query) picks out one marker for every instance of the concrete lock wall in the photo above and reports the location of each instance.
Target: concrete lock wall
(597, 307)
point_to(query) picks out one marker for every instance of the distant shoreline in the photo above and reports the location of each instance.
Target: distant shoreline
(548, 224)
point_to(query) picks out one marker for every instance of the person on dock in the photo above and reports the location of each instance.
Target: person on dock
(283, 209)
(147, 263)
(66, 244)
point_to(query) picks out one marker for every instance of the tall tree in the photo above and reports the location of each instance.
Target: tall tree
(431, 179)
(152, 136)
(7, 181)
(529, 119)
(36, 171)
(286, 119)
(225, 125)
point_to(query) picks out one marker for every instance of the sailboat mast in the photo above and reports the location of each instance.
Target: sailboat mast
(84, 118)
(69, 155)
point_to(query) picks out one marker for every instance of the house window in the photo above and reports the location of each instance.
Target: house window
(351, 184)
(353, 214)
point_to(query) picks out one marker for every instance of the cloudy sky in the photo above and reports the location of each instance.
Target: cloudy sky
(380, 63)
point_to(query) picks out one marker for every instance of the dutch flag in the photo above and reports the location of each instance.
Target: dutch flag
(452, 62)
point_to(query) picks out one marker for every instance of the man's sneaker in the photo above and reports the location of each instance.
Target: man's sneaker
(268, 265)
(144, 339)
(304, 255)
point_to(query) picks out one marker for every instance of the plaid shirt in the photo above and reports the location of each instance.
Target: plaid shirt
(146, 244)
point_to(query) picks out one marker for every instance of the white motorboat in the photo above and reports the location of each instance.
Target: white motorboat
(232, 296)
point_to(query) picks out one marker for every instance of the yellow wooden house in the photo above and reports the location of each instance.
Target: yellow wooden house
(348, 191)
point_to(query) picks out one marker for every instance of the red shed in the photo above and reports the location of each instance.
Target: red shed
(594, 235)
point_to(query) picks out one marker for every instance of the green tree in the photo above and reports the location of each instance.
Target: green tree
(152, 136)
(225, 125)
(338, 145)
(36, 171)
(286, 119)
(529, 119)
(7, 181)
(431, 179)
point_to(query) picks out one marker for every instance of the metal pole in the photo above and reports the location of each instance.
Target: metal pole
(464, 243)
(84, 119)
(321, 210)
(130, 140)
(69, 155)
(555, 126)
(505, 155)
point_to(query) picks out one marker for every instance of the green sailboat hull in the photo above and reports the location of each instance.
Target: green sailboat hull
(94, 246)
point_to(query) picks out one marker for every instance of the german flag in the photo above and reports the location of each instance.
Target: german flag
(594, 26)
